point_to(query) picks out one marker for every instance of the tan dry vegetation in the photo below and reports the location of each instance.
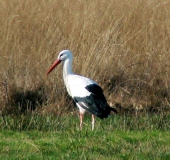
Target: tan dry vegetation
(123, 45)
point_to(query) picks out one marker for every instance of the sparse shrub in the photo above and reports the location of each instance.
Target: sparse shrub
(20, 101)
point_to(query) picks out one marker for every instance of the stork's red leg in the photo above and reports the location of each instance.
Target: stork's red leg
(93, 121)
(81, 121)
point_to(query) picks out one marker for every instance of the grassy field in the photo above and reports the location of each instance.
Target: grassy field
(52, 137)
(123, 45)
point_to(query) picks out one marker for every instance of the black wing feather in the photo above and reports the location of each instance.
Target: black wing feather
(96, 102)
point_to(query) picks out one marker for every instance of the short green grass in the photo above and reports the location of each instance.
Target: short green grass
(118, 137)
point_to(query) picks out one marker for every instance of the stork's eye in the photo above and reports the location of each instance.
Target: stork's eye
(61, 55)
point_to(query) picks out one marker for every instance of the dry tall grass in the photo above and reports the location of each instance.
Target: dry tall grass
(123, 45)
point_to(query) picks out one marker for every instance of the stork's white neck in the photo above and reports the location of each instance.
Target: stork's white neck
(67, 68)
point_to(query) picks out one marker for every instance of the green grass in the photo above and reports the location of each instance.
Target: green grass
(60, 138)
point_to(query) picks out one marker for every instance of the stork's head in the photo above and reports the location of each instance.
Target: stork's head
(63, 55)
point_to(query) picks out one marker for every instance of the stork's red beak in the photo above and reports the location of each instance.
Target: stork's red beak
(54, 65)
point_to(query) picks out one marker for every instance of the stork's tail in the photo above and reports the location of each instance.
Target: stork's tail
(113, 109)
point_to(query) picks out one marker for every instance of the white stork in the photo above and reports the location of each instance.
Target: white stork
(86, 93)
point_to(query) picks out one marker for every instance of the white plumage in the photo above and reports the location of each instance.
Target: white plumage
(85, 92)
(77, 84)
